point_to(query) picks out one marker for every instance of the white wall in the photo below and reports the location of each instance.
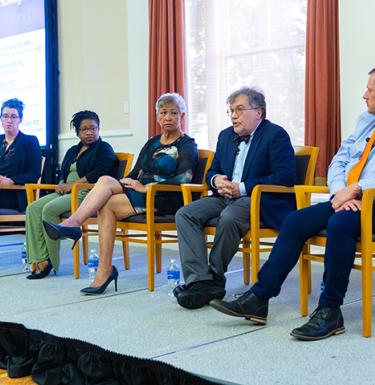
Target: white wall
(103, 55)
(357, 57)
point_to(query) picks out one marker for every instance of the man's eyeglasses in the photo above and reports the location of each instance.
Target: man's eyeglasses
(6, 117)
(238, 111)
(87, 129)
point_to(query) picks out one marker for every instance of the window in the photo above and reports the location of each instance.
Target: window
(257, 43)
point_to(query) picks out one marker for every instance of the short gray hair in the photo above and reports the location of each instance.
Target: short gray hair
(174, 98)
(255, 96)
(372, 71)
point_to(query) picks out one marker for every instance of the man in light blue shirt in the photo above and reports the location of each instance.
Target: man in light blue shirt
(340, 216)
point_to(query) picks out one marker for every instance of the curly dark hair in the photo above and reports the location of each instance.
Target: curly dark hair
(14, 103)
(82, 115)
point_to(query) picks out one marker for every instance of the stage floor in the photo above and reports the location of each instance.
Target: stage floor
(134, 321)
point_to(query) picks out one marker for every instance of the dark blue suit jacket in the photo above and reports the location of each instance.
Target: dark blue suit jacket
(270, 160)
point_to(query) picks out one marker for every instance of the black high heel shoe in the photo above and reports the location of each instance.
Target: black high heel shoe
(100, 290)
(43, 273)
(57, 232)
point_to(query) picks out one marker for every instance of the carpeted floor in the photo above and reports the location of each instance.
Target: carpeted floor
(134, 321)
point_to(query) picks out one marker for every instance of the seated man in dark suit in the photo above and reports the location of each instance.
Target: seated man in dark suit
(20, 156)
(252, 151)
(352, 170)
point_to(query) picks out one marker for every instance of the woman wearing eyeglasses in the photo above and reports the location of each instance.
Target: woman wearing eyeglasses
(85, 162)
(20, 156)
(168, 158)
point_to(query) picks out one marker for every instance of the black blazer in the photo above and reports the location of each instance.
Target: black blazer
(98, 160)
(270, 160)
(27, 163)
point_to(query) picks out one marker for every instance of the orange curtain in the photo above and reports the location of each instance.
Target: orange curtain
(322, 89)
(166, 54)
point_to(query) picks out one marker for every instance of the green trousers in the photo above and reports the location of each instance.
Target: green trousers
(39, 246)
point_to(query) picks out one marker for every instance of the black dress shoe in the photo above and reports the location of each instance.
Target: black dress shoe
(199, 294)
(100, 290)
(179, 289)
(43, 273)
(248, 305)
(324, 322)
(57, 232)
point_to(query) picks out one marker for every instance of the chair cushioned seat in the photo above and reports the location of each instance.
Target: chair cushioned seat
(141, 218)
(11, 212)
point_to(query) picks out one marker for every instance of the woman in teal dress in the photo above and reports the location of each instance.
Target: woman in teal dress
(84, 162)
(169, 158)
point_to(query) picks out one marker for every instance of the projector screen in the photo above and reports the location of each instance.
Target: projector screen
(23, 62)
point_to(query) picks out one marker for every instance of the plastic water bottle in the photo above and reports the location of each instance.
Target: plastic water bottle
(173, 276)
(92, 265)
(25, 264)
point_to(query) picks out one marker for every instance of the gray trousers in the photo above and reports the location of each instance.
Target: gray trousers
(233, 223)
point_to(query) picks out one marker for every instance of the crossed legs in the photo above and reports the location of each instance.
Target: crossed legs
(108, 200)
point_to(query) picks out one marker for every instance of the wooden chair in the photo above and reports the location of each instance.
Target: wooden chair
(125, 164)
(253, 241)
(152, 226)
(365, 251)
(10, 217)
(306, 158)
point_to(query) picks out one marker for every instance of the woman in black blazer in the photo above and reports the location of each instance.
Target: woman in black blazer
(20, 156)
(85, 162)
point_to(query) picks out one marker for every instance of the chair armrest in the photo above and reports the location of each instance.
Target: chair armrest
(150, 198)
(366, 218)
(33, 188)
(303, 194)
(76, 188)
(189, 188)
(255, 200)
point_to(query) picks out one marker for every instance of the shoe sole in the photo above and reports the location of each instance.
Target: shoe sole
(308, 338)
(248, 317)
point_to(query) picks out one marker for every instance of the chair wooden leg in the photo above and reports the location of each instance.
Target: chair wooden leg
(309, 287)
(246, 261)
(255, 259)
(125, 249)
(150, 261)
(366, 293)
(158, 251)
(76, 260)
(303, 284)
(85, 244)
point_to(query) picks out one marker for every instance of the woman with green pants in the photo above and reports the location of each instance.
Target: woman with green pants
(84, 162)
